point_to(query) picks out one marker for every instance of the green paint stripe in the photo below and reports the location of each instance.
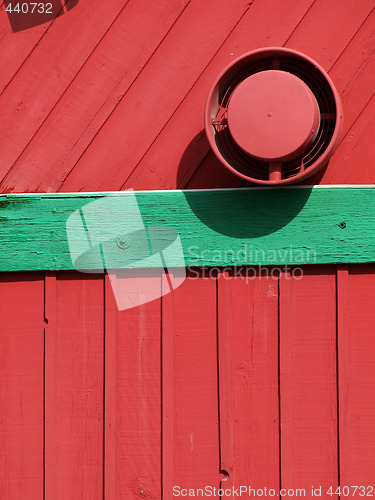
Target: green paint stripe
(287, 226)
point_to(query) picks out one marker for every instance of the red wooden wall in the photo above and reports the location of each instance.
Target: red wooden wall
(111, 95)
(272, 381)
(267, 380)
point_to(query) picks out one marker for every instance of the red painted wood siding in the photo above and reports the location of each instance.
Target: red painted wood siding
(270, 382)
(111, 95)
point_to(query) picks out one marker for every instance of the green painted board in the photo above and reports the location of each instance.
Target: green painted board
(230, 227)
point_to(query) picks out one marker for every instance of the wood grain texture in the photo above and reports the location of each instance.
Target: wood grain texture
(356, 149)
(179, 390)
(248, 379)
(133, 395)
(352, 74)
(129, 74)
(78, 410)
(190, 388)
(356, 290)
(168, 395)
(308, 397)
(21, 383)
(50, 384)
(169, 163)
(216, 227)
(15, 50)
(343, 366)
(161, 86)
(328, 27)
(112, 69)
(297, 23)
(190, 319)
(47, 73)
(110, 376)
(210, 174)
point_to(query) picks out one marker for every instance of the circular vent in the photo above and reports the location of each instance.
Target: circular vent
(274, 116)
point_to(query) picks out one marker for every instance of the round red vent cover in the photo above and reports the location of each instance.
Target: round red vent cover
(274, 116)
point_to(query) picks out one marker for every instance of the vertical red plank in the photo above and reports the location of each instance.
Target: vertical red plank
(343, 360)
(248, 364)
(50, 311)
(133, 394)
(75, 414)
(356, 312)
(168, 409)
(110, 370)
(190, 386)
(308, 404)
(226, 425)
(21, 386)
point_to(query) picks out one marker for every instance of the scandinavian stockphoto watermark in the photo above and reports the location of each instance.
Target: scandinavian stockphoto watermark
(143, 262)
(250, 262)
(146, 262)
(258, 256)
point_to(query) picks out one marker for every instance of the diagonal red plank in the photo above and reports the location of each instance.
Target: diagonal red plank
(47, 72)
(158, 91)
(112, 68)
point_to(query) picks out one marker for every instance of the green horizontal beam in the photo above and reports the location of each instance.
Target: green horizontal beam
(231, 227)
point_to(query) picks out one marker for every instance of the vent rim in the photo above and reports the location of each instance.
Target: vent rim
(308, 71)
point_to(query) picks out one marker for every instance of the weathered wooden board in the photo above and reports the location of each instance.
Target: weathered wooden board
(356, 149)
(15, 50)
(190, 386)
(133, 395)
(22, 385)
(114, 111)
(175, 154)
(288, 226)
(112, 404)
(210, 173)
(310, 35)
(74, 389)
(356, 378)
(112, 68)
(315, 36)
(248, 346)
(353, 75)
(47, 72)
(227, 379)
(308, 404)
(137, 119)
